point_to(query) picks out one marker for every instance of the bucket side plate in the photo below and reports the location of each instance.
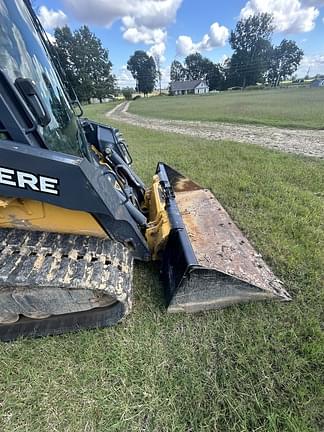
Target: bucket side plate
(223, 268)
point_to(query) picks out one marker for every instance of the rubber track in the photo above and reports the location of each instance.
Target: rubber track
(75, 259)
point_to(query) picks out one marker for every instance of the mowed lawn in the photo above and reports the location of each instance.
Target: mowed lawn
(294, 107)
(255, 367)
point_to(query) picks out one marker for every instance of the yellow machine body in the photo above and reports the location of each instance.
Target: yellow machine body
(39, 216)
(159, 226)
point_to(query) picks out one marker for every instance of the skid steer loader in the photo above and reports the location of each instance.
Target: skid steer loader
(74, 215)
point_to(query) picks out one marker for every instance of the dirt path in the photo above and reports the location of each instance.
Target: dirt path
(300, 141)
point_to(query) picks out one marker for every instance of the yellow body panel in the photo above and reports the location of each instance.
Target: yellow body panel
(40, 216)
(159, 226)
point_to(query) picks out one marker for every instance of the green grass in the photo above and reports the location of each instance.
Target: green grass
(108, 106)
(256, 367)
(297, 108)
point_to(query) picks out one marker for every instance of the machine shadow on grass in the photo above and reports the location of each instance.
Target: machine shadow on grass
(148, 287)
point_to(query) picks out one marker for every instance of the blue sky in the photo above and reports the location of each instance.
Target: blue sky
(173, 29)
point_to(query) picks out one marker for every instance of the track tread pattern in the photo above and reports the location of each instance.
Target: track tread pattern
(50, 260)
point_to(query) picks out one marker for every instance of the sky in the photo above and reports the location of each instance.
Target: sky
(172, 29)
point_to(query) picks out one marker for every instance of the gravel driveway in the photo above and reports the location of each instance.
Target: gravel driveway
(299, 141)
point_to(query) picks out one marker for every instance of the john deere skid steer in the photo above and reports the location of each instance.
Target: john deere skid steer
(74, 215)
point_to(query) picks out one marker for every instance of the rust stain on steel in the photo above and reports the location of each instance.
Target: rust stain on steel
(179, 182)
(183, 184)
(219, 244)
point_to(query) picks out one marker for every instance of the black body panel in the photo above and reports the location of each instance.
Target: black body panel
(82, 186)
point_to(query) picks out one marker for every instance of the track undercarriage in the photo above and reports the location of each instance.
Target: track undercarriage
(53, 283)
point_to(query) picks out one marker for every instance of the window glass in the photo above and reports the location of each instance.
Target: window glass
(23, 55)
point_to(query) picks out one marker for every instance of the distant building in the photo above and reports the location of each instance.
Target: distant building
(188, 87)
(319, 82)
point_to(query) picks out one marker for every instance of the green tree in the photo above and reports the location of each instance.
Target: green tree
(128, 93)
(93, 66)
(143, 69)
(85, 62)
(198, 67)
(64, 56)
(214, 75)
(284, 61)
(195, 66)
(177, 72)
(251, 44)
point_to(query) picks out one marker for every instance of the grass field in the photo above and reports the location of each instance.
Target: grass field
(256, 367)
(298, 108)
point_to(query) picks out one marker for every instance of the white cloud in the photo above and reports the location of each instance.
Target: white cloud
(216, 37)
(165, 76)
(149, 13)
(124, 78)
(290, 16)
(143, 21)
(314, 64)
(144, 34)
(158, 51)
(51, 18)
(184, 46)
(51, 38)
(154, 37)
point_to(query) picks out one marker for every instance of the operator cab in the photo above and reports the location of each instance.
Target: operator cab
(27, 66)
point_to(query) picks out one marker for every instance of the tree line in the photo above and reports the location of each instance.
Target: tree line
(86, 66)
(87, 70)
(254, 60)
(84, 63)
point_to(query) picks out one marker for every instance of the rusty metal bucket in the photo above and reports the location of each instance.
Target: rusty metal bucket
(208, 263)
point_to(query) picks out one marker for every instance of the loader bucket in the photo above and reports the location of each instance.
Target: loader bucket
(208, 263)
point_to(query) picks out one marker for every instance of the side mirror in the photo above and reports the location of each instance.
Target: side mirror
(77, 108)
